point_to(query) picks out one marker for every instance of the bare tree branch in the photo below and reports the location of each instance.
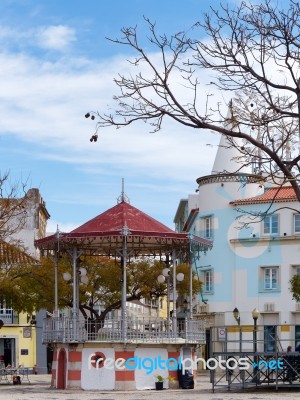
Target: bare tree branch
(13, 202)
(253, 52)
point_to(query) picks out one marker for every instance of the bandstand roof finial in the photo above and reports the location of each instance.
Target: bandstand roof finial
(123, 197)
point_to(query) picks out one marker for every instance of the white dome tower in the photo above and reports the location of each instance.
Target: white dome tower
(230, 178)
(229, 159)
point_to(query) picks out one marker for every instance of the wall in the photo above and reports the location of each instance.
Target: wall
(81, 371)
(25, 349)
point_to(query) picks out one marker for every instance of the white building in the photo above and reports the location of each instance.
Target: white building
(35, 222)
(250, 265)
(25, 227)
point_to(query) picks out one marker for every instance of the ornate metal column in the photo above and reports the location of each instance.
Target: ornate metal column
(125, 232)
(191, 276)
(75, 308)
(174, 315)
(56, 252)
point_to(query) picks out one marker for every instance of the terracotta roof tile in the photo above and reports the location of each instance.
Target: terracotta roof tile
(276, 194)
(10, 254)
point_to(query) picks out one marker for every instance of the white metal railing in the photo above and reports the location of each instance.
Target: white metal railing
(66, 330)
(12, 318)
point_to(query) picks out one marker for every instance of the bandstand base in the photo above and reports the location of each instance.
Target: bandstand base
(117, 366)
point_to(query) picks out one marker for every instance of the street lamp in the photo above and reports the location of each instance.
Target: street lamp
(255, 315)
(67, 276)
(236, 316)
(161, 279)
(82, 276)
(81, 273)
(165, 277)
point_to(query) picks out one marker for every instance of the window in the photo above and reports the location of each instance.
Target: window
(271, 278)
(5, 310)
(205, 275)
(208, 281)
(297, 336)
(271, 225)
(295, 269)
(269, 338)
(207, 227)
(297, 223)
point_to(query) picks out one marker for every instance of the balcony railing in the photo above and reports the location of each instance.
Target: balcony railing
(12, 318)
(68, 330)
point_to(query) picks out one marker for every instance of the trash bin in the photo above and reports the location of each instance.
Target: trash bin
(186, 380)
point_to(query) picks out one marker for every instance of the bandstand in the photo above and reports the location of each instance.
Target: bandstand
(125, 233)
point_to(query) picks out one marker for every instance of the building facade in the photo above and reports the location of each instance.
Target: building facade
(21, 334)
(35, 222)
(256, 248)
(18, 330)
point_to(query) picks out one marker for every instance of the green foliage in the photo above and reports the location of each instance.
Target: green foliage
(295, 287)
(31, 287)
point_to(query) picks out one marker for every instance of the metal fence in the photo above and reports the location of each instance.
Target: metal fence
(68, 330)
(250, 338)
(12, 318)
(248, 355)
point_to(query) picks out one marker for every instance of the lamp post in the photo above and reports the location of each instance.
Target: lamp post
(161, 279)
(185, 306)
(255, 315)
(56, 253)
(79, 276)
(124, 232)
(237, 317)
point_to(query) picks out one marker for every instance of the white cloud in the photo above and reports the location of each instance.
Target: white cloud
(52, 226)
(57, 37)
(46, 102)
(54, 37)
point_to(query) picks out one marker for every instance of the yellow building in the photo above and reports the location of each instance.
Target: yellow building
(20, 336)
(17, 331)
(18, 343)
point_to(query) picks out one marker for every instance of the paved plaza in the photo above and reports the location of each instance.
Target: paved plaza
(39, 389)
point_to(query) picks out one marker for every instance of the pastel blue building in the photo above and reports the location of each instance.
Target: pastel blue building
(255, 231)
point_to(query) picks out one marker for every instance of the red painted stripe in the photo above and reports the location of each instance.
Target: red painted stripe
(174, 375)
(74, 375)
(124, 354)
(75, 356)
(174, 354)
(122, 376)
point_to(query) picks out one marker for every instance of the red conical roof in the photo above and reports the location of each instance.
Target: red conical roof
(119, 216)
(104, 234)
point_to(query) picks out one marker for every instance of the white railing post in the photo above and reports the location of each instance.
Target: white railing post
(174, 315)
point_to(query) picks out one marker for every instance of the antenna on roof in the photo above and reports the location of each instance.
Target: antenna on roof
(123, 197)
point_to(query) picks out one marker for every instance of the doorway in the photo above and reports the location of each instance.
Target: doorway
(61, 369)
(8, 351)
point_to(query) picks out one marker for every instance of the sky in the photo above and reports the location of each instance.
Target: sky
(56, 64)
